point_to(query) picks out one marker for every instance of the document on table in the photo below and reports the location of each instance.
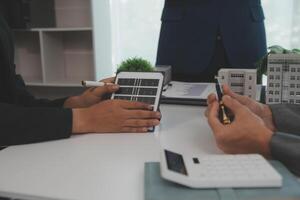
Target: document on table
(192, 93)
(185, 90)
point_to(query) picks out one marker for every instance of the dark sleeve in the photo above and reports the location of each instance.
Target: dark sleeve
(25, 98)
(286, 118)
(286, 148)
(22, 125)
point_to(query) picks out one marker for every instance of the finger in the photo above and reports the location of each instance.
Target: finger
(207, 111)
(211, 98)
(142, 114)
(141, 123)
(100, 91)
(213, 118)
(134, 130)
(242, 99)
(232, 104)
(109, 80)
(135, 105)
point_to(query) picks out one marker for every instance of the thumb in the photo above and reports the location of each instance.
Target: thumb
(232, 104)
(100, 91)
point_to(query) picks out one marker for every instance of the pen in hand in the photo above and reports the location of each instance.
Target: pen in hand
(94, 84)
(223, 111)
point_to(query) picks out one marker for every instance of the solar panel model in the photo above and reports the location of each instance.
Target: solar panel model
(143, 87)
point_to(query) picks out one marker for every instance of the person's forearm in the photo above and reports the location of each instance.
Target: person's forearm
(286, 118)
(286, 149)
(20, 125)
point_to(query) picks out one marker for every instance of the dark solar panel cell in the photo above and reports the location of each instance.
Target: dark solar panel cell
(148, 91)
(148, 100)
(126, 81)
(149, 82)
(123, 97)
(125, 90)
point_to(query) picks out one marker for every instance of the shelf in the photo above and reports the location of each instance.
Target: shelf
(55, 29)
(73, 13)
(68, 57)
(28, 56)
(60, 56)
(57, 84)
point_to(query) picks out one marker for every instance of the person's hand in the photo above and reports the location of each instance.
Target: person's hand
(246, 134)
(261, 110)
(92, 95)
(114, 116)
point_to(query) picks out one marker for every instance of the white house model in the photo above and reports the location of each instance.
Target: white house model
(283, 79)
(241, 81)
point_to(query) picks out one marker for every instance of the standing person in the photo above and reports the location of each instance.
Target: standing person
(25, 119)
(200, 36)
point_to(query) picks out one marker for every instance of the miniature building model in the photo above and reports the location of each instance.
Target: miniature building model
(241, 81)
(283, 79)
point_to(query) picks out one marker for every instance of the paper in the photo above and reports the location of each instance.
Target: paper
(187, 90)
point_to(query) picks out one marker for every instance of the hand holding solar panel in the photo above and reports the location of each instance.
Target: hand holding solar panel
(143, 87)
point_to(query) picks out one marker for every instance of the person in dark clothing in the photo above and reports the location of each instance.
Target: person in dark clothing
(25, 119)
(270, 130)
(198, 37)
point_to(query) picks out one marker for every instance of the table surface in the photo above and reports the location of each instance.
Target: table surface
(101, 166)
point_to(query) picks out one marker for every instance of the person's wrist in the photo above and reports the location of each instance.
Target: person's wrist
(265, 140)
(73, 102)
(80, 122)
(268, 118)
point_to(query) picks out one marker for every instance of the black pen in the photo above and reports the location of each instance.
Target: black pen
(223, 112)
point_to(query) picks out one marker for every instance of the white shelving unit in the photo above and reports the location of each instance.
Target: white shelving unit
(60, 56)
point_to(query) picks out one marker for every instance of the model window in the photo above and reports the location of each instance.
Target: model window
(292, 85)
(277, 85)
(277, 69)
(277, 100)
(298, 85)
(270, 100)
(292, 101)
(298, 69)
(271, 84)
(285, 68)
(293, 69)
(277, 77)
(297, 93)
(271, 92)
(297, 101)
(271, 77)
(276, 92)
(271, 69)
(292, 93)
(298, 78)
(292, 77)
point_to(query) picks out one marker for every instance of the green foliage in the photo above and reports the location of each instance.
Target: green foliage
(135, 65)
(262, 64)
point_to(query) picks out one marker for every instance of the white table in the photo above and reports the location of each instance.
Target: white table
(101, 166)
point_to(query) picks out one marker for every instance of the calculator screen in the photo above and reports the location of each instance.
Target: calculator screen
(175, 162)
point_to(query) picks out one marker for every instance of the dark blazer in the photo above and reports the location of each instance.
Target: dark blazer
(285, 143)
(24, 119)
(190, 27)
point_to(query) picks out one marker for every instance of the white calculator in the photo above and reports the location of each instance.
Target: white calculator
(219, 171)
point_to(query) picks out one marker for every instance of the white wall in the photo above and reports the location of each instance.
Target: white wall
(102, 38)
